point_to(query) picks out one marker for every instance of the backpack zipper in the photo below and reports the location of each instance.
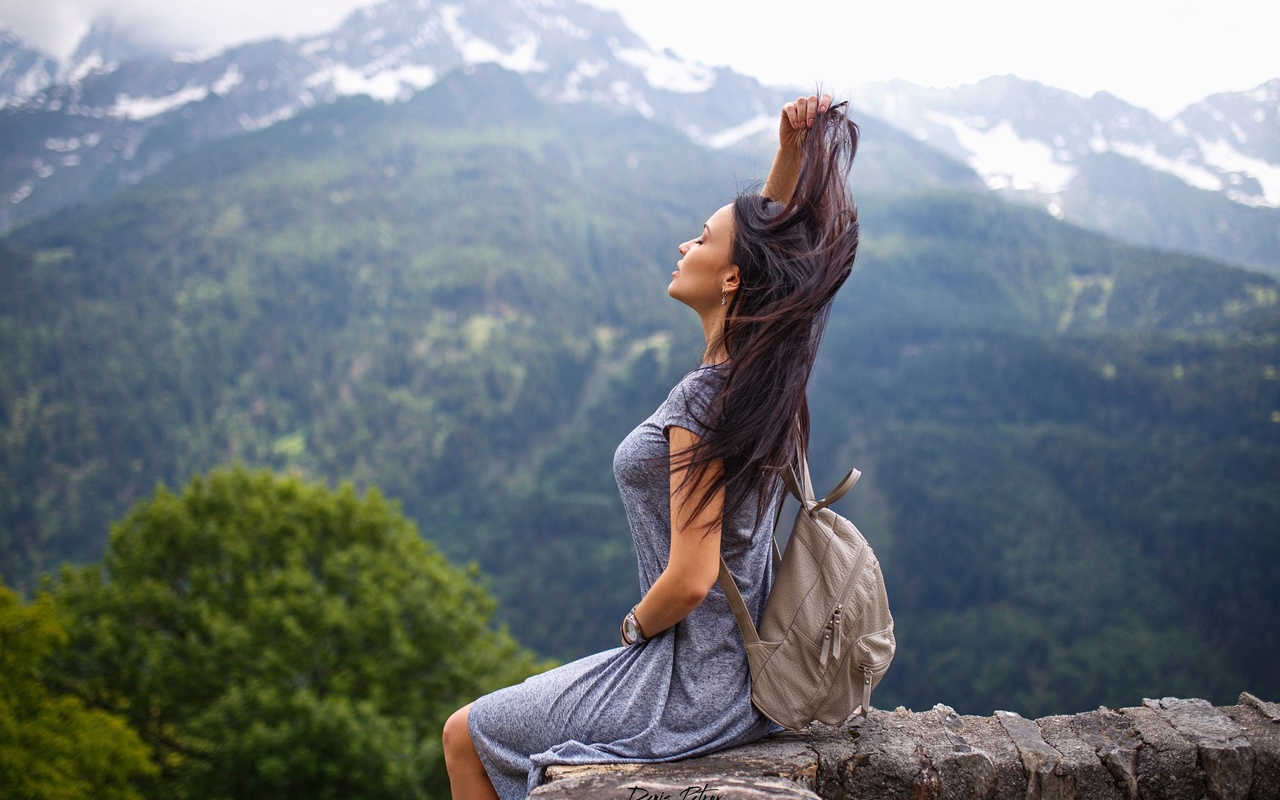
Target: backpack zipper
(831, 637)
(833, 624)
(853, 576)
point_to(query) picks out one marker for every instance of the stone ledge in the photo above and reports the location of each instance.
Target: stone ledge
(1171, 749)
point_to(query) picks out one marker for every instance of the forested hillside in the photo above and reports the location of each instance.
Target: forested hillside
(1071, 447)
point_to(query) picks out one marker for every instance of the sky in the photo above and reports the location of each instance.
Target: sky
(1161, 56)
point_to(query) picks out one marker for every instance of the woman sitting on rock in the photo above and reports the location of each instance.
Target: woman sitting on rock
(699, 480)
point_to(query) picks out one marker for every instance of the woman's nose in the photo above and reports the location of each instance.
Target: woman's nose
(683, 248)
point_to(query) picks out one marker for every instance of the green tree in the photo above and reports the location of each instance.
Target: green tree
(272, 638)
(51, 745)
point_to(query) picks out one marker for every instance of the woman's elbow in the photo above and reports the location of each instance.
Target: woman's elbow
(692, 593)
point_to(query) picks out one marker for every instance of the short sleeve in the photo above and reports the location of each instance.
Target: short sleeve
(689, 404)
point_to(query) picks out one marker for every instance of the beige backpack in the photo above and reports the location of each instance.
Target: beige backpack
(826, 635)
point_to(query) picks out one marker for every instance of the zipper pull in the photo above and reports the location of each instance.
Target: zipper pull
(826, 645)
(835, 633)
(866, 692)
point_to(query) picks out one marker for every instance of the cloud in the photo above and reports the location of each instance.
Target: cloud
(1158, 54)
(1154, 53)
(56, 26)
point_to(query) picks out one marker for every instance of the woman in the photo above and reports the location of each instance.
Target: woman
(699, 479)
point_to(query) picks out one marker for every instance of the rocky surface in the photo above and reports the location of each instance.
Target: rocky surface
(1172, 749)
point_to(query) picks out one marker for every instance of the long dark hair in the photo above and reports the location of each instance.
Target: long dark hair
(791, 258)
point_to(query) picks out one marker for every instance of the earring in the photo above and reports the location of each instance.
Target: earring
(723, 296)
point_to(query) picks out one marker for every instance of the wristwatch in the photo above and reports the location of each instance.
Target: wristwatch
(631, 632)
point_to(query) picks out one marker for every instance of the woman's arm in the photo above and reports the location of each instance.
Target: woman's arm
(797, 119)
(694, 564)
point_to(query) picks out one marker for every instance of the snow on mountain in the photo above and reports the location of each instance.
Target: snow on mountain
(521, 54)
(118, 91)
(730, 136)
(1003, 158)
(1022, 136)
(1238, 137)
(1207, 181)
(665, 70)
(143, 107)
(24, 71)
(1185, 168)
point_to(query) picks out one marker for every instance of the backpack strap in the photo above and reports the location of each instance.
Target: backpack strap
(801, 485)
(740, 613)
(798, 484)
(846, 483)
(730, 586)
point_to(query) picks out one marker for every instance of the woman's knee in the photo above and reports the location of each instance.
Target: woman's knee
(457, 734)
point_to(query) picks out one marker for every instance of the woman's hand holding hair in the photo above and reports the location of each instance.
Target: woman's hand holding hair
(797, 118)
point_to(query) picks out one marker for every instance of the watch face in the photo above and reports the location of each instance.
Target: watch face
(632, 628)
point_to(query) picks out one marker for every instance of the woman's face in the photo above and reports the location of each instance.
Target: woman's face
(705, 271)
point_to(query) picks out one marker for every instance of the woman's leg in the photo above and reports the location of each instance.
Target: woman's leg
(467, 777)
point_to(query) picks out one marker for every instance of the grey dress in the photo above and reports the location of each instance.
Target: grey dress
(684, 692)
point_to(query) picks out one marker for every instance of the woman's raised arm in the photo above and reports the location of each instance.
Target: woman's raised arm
(797, 119)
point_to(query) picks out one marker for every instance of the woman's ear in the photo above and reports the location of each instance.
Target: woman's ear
(731, 279)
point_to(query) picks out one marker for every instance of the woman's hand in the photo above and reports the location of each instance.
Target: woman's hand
(797, 119)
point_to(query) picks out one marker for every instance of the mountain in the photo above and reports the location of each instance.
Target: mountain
(1070, 445)
(105, 122)
(24, 72)
(108, 42)
(1207, 181)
